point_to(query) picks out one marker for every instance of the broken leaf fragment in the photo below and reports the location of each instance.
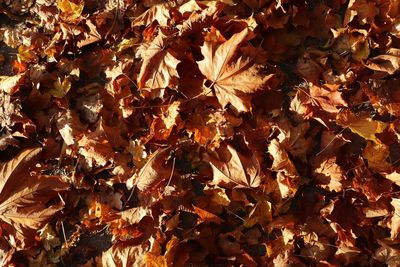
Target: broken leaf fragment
(10, 84)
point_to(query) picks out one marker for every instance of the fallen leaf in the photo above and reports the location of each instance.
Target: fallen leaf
(232, 168)
(361, 124)
(206, 216)
(395, 220)
(377, 156)
(23, 208)
(328, 174)
(122, 255)
(155, 261)
(389, 62)
(159, 13)
(153, 171)
(70, 11)
(232, 80)
(159, 66)
(10, 84)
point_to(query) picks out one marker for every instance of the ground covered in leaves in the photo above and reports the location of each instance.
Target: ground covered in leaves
(200, 133)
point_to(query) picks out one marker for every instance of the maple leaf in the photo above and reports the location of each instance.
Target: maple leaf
(233, 80)
(162, 126)
(122, 255)
(70, 11)
(153, 171)
(361, 124)
(158, 67)
(197, 21)
(211, 127)
(95, 147)
(23, 198)
(159, 13)
(232, 168)
(61, 87)
(328, 174)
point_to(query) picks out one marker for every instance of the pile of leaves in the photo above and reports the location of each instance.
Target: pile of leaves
(200, 133)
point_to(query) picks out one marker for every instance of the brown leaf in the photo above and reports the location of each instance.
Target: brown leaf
(153, 171)
(10, 84)
(328, 174)
(159, 13)
(232, 168)
(122, 255)
(95, 147)
(23, 198)
(233, 80)
(159, 66)
(161, 127)
(134, 215)
(206, 216)
(361, 124)
(389, 63)
(155, 261)
(395, 220)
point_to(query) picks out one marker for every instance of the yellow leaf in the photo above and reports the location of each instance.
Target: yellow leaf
(25, 54)
(61, 88)
(261, 213)
(361, 124)
(69, 10)
(126, 44)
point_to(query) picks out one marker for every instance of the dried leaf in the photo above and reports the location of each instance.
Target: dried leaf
(232, 168)
(389, 63)
(158, 67)
(23, 201)
(361, 124)
(232, 80)
(153, 171)
(11, 84)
